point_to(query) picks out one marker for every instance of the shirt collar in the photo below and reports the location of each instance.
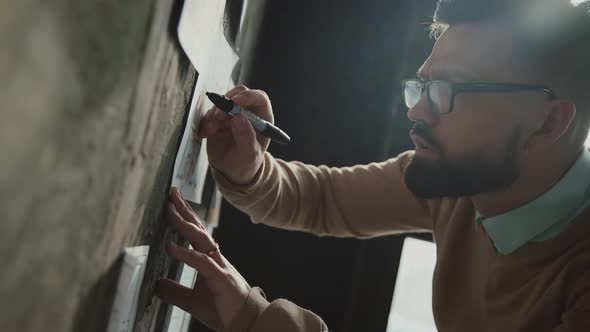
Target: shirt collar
(513, 229)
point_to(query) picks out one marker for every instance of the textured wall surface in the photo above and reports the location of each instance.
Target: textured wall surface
(93, 99)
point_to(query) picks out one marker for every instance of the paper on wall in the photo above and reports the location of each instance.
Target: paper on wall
(200, 33)
(130, 278)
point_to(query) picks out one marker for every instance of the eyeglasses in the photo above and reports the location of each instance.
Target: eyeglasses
(441, 94)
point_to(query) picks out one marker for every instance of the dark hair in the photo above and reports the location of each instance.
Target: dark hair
(553, 37)
(524, 14)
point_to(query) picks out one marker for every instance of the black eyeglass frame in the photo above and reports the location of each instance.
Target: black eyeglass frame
(457, 88)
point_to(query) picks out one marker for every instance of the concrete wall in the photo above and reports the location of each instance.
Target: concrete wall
(93, 95)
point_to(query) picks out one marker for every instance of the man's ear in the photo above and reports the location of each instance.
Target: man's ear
(557, 122)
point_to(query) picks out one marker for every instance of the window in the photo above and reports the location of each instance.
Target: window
(411, 308)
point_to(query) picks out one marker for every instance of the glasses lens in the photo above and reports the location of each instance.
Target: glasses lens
(439, 93)
(412, 93)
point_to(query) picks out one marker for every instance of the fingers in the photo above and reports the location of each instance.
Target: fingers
(236, 90)
(256, 101)
(171, 292)
(212, 122)
(215, 119)
(220, 115)
(195, 233)
(184, 208)
(197, 236)
(206, 266)
(244, 135)
(198, 302)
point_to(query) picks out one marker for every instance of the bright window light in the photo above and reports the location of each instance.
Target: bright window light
(588, 140)
(411, 308)
(577, 2)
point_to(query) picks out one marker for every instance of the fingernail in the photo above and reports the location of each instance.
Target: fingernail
(176, 191)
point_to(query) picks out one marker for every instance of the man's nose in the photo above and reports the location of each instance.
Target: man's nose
(422, 112)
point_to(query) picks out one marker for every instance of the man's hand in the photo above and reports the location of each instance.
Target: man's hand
(220, 291)
(233, 147)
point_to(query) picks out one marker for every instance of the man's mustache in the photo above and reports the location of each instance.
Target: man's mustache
(422, 131)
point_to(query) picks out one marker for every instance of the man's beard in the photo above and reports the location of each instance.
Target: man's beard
(467, 176)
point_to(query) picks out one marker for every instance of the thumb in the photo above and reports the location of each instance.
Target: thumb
(243, 133)
(198, 302)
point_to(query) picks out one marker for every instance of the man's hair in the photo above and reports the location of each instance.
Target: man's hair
(552, 38)
(534, 13)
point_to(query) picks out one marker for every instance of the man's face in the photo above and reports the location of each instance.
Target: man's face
(479, 146)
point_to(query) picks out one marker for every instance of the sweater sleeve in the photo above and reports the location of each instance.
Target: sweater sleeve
(257, 315)
(360, 201)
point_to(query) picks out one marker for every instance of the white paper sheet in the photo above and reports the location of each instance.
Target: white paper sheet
(200, 32)
(130, 279)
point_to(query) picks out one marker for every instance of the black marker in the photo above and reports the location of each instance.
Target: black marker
(262, 126)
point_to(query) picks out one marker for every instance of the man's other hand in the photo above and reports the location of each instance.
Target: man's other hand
(220, 291)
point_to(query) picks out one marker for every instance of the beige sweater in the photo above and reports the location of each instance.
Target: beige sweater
(543, 286)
